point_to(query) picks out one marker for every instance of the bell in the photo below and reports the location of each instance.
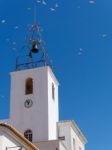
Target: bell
(34, 47)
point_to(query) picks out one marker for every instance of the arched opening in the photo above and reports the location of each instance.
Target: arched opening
(29, 86)
(28, 135)
(53, 91)
(74, 145)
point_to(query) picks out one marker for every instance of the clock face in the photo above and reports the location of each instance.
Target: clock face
(28, 103)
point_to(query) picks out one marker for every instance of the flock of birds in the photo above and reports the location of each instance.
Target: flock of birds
(53, 8)
(43, 2)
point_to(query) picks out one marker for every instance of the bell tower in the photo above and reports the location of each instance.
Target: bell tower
(34, 92)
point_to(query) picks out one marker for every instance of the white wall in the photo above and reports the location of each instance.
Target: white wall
(65, 129)
(62, 146)
(37, 118)
(78, 142)
(7, 141)
(51, 145)
(53, 110)
(48, 145)
(1, 137)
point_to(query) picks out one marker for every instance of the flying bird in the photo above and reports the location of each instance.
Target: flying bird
(3, 21)
(14, 43)
(16, 27)
(80, 49)
(43, 2)
(78, 7)
(7, 39)
(38, 1)
(79, 53)
(104, 35)
(52, 9)
(56, 5)
(28, 8)
(92, 2)
(2, 96)
(14, 49)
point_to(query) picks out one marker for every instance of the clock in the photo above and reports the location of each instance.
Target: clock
(28, 103)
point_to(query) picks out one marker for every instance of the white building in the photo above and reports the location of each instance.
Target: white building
(34, 111)
(11, 139)
(37, 111)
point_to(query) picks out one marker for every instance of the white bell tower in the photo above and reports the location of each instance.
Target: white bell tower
(35, 110)
(34, 100)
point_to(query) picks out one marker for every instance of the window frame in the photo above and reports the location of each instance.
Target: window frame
(29, 86)
(28, 134)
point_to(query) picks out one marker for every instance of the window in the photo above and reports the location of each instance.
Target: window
(74, 144)
(53, 91)
(28, 135)
(29, 86)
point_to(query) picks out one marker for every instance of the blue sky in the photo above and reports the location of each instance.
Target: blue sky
(78, 39)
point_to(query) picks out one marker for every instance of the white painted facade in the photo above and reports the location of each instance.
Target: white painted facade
(42, 117)
(11, 141)
(74, 139)
(51, 145)
(8, 143)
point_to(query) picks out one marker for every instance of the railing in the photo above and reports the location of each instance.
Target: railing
(31, 64)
